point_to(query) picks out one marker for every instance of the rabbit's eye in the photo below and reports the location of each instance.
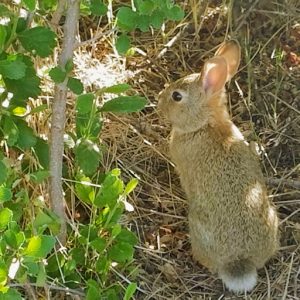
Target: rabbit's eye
(176, 96)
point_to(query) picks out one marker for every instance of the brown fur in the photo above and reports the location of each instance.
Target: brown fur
(232, 223)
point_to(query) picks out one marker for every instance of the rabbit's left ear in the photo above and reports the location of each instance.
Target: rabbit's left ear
(214, 75)
(231, 51)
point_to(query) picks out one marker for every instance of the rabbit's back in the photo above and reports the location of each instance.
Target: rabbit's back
(228, 203)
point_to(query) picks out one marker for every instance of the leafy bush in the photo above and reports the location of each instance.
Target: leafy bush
(27, 226)
(146, 14)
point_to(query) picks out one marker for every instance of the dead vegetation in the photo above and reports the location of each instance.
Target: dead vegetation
(264, 101)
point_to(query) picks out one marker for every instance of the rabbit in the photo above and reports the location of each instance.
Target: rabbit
(233, 226)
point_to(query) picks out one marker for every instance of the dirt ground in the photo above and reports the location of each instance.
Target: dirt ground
(264, 101)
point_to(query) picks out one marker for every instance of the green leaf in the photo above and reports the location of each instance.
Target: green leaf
(84, 103)
(39, 176)
(131, 185)
(130, 291)
(57, 74)
(5, 217)
(39, 246)
(21, 25)
(3, 35)
(143, 22)
(116, 230)
(47, 5)
(41, 149)
(113, 293)
(31, 266)
(40, 40)
(84, 191)
(115, 89)
(102, 264)
(14, 237)
(123, 44)
(30, 4)
(12, 69)
(42, 220)
(146, 7)
(19, 111)
(121, 252)
(93, 291)
(87, 149)
(175, 13)
(26, 137)
(124, 104)
(11, 294)
(41, 276)
(98, 244)
(127, 236)
(11, 239)
(112, 187)
(11, 131)
(88, 233)
(157, 19)
(78, 255)
(3, 273)
(98, 8)
(126, 19)
(5, 194)
(3, 172)
(87, 127)
(38, 109)
(75, 85)
(26, 87)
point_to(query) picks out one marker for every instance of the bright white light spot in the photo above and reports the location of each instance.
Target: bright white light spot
(13, 269)
(128, 206)
(255, 194)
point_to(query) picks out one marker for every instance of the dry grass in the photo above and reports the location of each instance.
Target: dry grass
(264, 101)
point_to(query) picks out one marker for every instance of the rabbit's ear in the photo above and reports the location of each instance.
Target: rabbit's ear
(214, 75)
(231, 51)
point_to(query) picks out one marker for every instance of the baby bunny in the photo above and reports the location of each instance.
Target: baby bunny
(233, 226)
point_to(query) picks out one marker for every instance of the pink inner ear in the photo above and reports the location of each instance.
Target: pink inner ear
(214, 75)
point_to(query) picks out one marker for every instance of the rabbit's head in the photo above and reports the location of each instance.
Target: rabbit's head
(198, 100)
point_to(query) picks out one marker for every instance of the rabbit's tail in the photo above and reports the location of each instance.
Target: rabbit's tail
(239, 275)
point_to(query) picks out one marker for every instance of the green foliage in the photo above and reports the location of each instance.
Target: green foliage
(105, 237)
(124, 104)
(26, 86)
(57, 74)
(75, 85)
(98, 8)
(88, 156)
(39, 40)
(12, 69)
(116, 89)
(30, 4)
(123, 43)
(28, 227)
(148, 13)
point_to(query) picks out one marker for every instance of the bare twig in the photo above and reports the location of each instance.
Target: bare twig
(58, 13)
(58, 119)
(173, 41)
(30, 291)
(289, 183)
(51, 287)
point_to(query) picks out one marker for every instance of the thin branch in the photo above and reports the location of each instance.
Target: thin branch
(50, 287)
(58, 120)
(287, 183)
(58, 13)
